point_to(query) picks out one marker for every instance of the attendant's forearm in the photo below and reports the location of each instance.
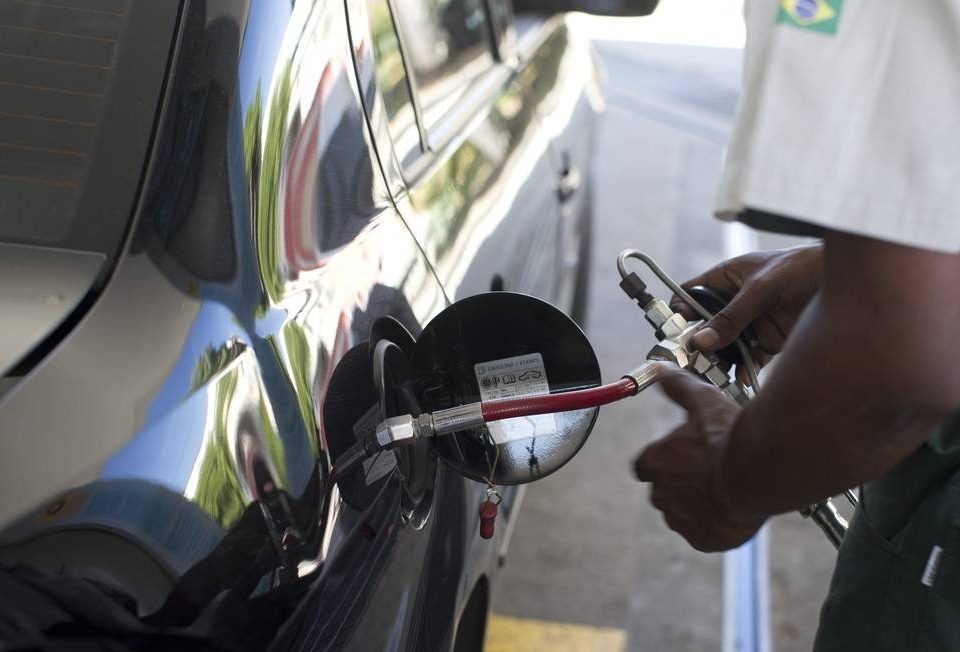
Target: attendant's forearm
(819, 425)
(868, 372)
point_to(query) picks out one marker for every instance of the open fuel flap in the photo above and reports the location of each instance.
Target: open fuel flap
(385, 393)
(504, 345)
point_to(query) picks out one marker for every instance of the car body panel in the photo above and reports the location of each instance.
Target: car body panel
(172, 448)
(40, 286)
(192, 387)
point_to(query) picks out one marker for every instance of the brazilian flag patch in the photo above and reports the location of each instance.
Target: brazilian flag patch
(815, 15)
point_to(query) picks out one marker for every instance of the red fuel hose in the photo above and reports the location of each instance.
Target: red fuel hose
(580, 399)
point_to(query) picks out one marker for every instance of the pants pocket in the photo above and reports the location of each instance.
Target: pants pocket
(857, 614)
(899, 593)
(940, 582)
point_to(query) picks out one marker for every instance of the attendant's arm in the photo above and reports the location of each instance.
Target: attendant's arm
(870, 369)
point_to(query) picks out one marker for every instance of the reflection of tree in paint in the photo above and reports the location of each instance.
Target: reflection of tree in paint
(220, 489)
(471, 171)
(251, 133)
(219, 493)
(265, 181)
(447, 195)
(391, 74)
(299, 356)
(275, 450)
(541, 73)
(212, 362)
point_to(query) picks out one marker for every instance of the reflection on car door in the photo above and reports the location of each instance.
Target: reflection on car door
(560, 74)
(478, 189)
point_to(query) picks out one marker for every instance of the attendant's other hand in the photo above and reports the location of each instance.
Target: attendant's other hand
(682, 468)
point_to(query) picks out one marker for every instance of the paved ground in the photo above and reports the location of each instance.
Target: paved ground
(588, 548)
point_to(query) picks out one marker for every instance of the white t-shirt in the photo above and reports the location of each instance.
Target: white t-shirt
(850, 118)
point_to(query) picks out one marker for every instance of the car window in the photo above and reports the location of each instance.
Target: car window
(79, 85)
(446, 44)
(392, 81)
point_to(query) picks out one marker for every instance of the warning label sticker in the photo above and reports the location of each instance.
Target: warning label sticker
(523, 375)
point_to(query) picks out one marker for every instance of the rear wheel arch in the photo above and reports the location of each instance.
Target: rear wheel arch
(472, 625)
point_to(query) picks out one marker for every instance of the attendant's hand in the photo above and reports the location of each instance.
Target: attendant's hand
(769, 290)
(682, 468)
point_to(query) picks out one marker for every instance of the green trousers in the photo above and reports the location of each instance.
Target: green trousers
(896, 585)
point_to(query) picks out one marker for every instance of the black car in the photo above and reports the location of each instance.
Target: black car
(205, 208)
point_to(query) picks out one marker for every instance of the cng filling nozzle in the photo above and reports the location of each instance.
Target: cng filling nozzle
(673, 332)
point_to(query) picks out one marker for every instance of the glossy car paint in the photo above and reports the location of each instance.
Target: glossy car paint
(172, 446)
(39, 287)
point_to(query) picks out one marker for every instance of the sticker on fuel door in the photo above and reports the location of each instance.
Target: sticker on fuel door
(523, 375)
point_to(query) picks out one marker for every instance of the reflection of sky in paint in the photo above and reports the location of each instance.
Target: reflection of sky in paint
(215, 324)
(270, 322)
(154, 454)
(157, 457)
(261, 41)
